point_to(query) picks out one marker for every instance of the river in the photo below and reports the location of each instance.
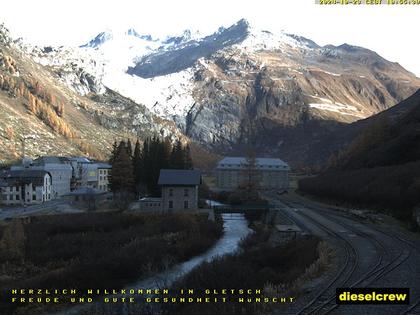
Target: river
(235, 228)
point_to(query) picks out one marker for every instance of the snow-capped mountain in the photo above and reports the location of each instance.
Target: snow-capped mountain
(237, 85)
(62, 107)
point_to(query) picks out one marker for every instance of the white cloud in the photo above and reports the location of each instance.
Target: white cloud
(389, 30)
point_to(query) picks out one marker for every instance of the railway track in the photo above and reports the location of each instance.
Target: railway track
(413, 309)
(403, 256)
(324, 301)
(325, 295)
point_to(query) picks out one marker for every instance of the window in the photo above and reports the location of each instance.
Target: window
(171, 192)
(10, 197)
(186, 204)
(186, 192)
(171, 204)
(34, 197)
(17, 197)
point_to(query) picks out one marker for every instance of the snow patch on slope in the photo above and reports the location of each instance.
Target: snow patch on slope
(343, 109)
(331, 73)
(264, 40)
(168, 96)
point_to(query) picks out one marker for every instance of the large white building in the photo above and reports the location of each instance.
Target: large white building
(69, 173)
(25, 187)
(272, 173)
(59, 169)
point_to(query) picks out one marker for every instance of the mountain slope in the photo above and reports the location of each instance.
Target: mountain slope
(281, 93)
(186, 55)
(390, 138)
(240, 86)
(381, 167)
(41, 115)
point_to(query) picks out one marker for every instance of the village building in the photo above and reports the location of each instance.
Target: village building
(273, 173)
(78, 170)
(25, 187)
(104, 172)
(179, 192)
(87, 173)
(70, 173)
(150, 204)
(59, 169)
(179, 189)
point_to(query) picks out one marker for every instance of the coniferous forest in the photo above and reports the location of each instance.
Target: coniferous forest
(135, 171)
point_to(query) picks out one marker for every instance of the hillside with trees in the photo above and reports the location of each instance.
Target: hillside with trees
(380, 168)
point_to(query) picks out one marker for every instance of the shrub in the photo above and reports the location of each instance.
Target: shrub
(257, 266)
(99, 250)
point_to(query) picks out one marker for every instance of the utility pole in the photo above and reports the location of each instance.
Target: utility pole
(23, 147)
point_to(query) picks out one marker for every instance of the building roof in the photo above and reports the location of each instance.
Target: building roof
(42, 160)
(263, 163)
(179, 177)
(103, 165)
(80, 159)
(14, 177)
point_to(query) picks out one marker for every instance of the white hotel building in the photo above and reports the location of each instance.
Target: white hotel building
(25, 187)
(56, 166)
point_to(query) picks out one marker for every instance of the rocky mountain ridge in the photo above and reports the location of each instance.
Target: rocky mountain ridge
(238, 87)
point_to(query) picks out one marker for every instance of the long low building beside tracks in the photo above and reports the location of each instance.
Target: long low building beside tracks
(271, 173)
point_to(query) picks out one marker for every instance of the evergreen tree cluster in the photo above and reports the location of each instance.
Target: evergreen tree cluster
(137, 170)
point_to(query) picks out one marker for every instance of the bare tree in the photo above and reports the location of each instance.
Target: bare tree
(250, 176)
